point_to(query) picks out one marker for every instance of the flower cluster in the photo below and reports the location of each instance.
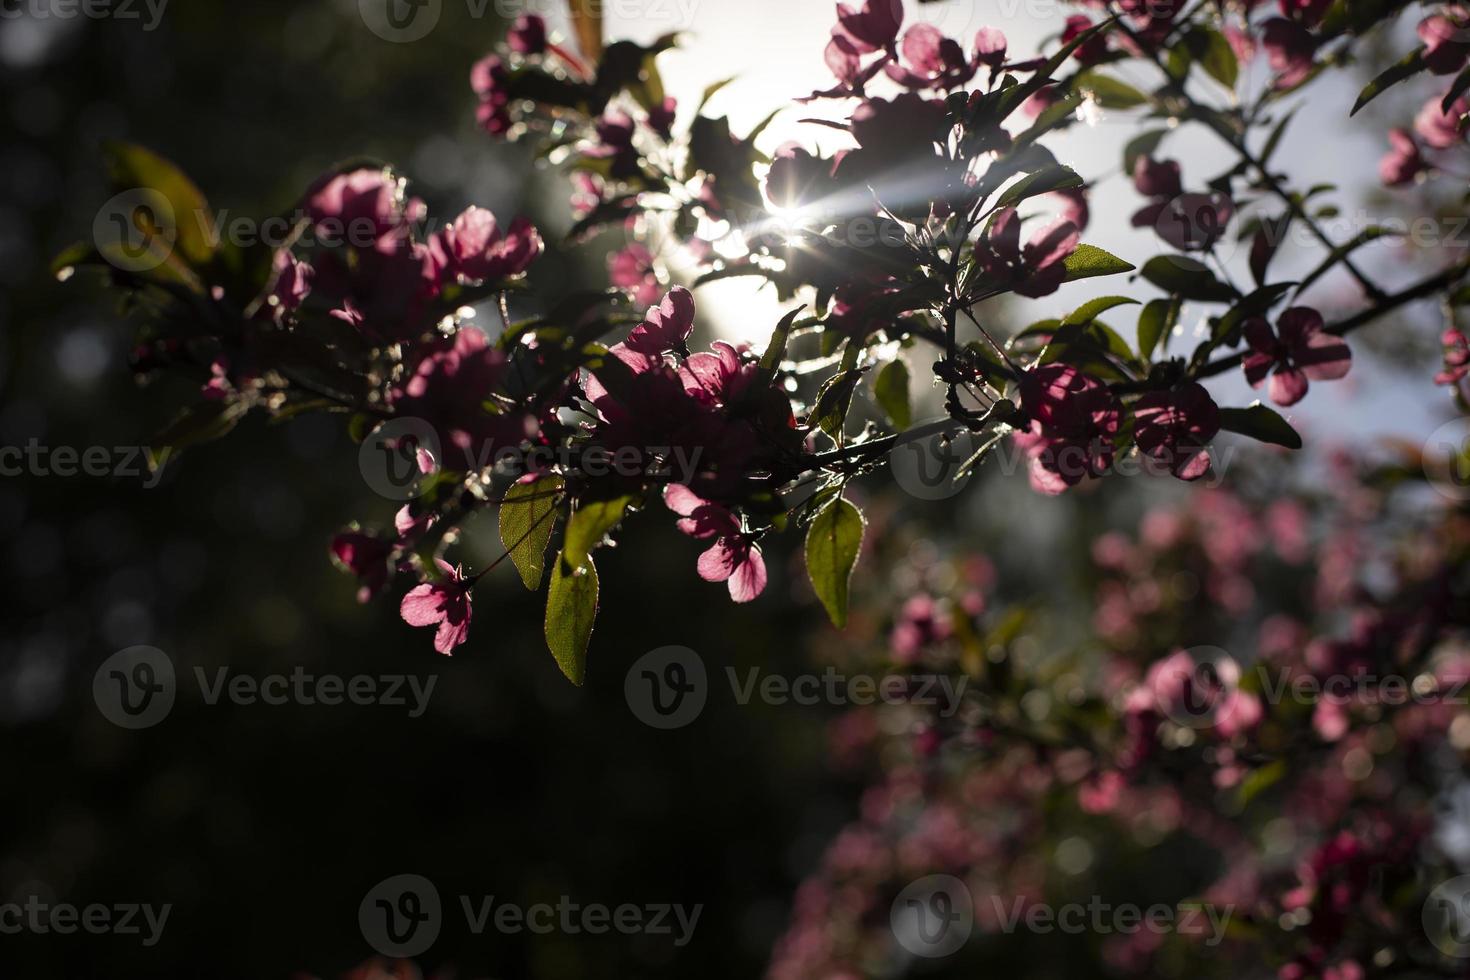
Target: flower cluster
(1306, 766)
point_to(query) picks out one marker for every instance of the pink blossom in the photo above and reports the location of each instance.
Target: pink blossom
(632, 269)
(665, 327)
(1290, 48)
(1037, 269)
(1456, 357)
(990, 48)
(1300, 350)
(1446, 40)
(490, 80)
(1403, 162)
(733, 558)
(475, 248)
(931, 60)
(448, 388)
(1176, 426)
(527, 35)
(1090, 52)
(1074, 421)
(873, 27)
(366, 556)
(444, 603)
(1440, 129)
(921, 623)
(361, 208)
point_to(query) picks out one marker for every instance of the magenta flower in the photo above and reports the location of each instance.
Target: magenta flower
(1073, 206)
(1074, 422)
(445, 604)
(292, 283)
(920, 624)
(719, 377)
(1446, 40)
(1089, 52)
(1290, 48)
(1300, 350)
(1195, 222)
(491, 81)
(931, 60)
(366, 556)
(1157, 178)
(586, 193)
(1038, 269)
(1175, 427)
(527, 35)
(990, 48)
(475, 248)
(1456, 357)
(615, 142)
(1403, 162)
(796, 177)
(665, 327)
(872, 28)
(361, 208)
(733, 558)
(1438, 128)
(448, 388)
(632, 269)
(1189, 222)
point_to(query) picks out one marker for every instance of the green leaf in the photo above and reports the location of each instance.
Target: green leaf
(1255, 303)
(571, 609)
(834, 399)
(587, 526)
(1260, 422)
(1012, 97)
(1411, 64)
(1054, 178)
(1259, 781)
(195, 425)
(1457, 89)
(1158, 318)
(1109, 92)
(130, 167)
(776, 349)
(1090, 311)
(1087, 261)
(891, 389)
(709, 93)
(832, 545)
(1274, 140)
(1214, 53)
(1187, 278)
(526, 524)
(1142, 145)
